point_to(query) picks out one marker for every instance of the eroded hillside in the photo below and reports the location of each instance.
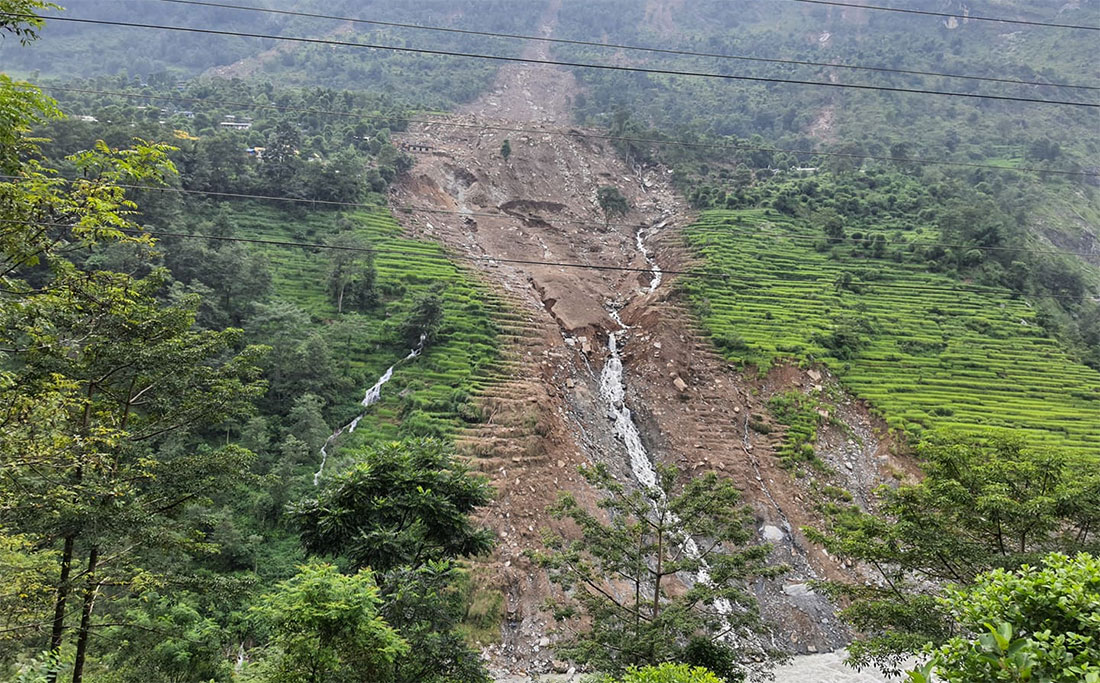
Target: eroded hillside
(524, 220)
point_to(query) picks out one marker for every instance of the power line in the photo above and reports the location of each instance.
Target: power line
(616, 46)
(1003, 20)
(572, 132)
(725, 276)
(552, 62)
(703, 228)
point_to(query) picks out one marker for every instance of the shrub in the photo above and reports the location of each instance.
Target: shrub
(664, 673)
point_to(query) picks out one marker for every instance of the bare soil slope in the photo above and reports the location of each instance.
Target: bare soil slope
(539, 205)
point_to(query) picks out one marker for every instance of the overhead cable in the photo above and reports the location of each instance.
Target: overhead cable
(554, 62)
(617, 46)
(965, 17)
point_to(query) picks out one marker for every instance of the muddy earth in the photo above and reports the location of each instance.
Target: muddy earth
(687, 405)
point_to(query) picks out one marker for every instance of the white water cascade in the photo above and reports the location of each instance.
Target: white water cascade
(655, 282)
(613, 392)
(373, 395)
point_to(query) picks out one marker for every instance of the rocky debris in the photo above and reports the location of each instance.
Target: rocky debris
(691, 407)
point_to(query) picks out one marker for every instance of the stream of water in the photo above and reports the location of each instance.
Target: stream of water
(372, 396)
(613, 392)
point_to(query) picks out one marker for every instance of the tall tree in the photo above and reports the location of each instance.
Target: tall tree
(347, 256)
(326, 626)
(98, 375)
(612, 203)
(404, 510)
(401, 503)
(983, 503)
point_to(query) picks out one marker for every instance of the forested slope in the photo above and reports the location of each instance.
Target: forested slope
(778, 298)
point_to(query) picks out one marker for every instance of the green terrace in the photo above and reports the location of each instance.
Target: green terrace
(926, 350)
(430, 395)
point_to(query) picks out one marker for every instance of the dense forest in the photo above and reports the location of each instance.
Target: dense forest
(202, 270)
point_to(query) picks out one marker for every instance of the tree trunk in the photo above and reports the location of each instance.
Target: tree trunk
(59, 603)
(657, 575)
(86, 616)
(340, 299)
(63, 587)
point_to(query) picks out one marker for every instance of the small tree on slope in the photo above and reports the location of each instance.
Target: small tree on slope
(619, 574)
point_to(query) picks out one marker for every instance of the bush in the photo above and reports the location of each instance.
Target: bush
(664, 673)
(1035, 623)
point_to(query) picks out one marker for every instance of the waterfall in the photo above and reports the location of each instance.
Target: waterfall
(372, 396)
(613, 392)
(655, 281)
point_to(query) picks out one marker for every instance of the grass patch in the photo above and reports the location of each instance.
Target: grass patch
(429, 396)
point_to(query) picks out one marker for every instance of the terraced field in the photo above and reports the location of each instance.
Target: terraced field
(429, 395)
(926, 350)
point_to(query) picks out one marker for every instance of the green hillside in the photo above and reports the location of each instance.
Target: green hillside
(923, 348)
(427, 396)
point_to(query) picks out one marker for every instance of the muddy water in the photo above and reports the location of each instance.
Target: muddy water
(826, 668)
(821, 668)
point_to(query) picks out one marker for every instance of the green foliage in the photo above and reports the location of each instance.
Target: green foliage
(108, 393)
(325, 626)
(663, 673)
(21, 18)
(423, 322)
(404, 509)
(316, 351)
(640, 546)
(426, 606)
(506, 150)
(167, 640)
(925, 351)
(981, 505)
(1037, 623)
(612, 202)
(428, 81)
(402, 503)
(801, 415)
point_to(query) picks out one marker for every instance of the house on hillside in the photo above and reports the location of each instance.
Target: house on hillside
(416, 147)
(236, 125)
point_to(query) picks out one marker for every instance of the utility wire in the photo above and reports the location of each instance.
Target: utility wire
(616, 46)
(572, 132)
(553, 62)
(704, 229)
(1003, 20)
(724, 276)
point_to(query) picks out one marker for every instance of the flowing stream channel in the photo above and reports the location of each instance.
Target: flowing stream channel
(613, 392)
(373, 395)
(820, 668)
